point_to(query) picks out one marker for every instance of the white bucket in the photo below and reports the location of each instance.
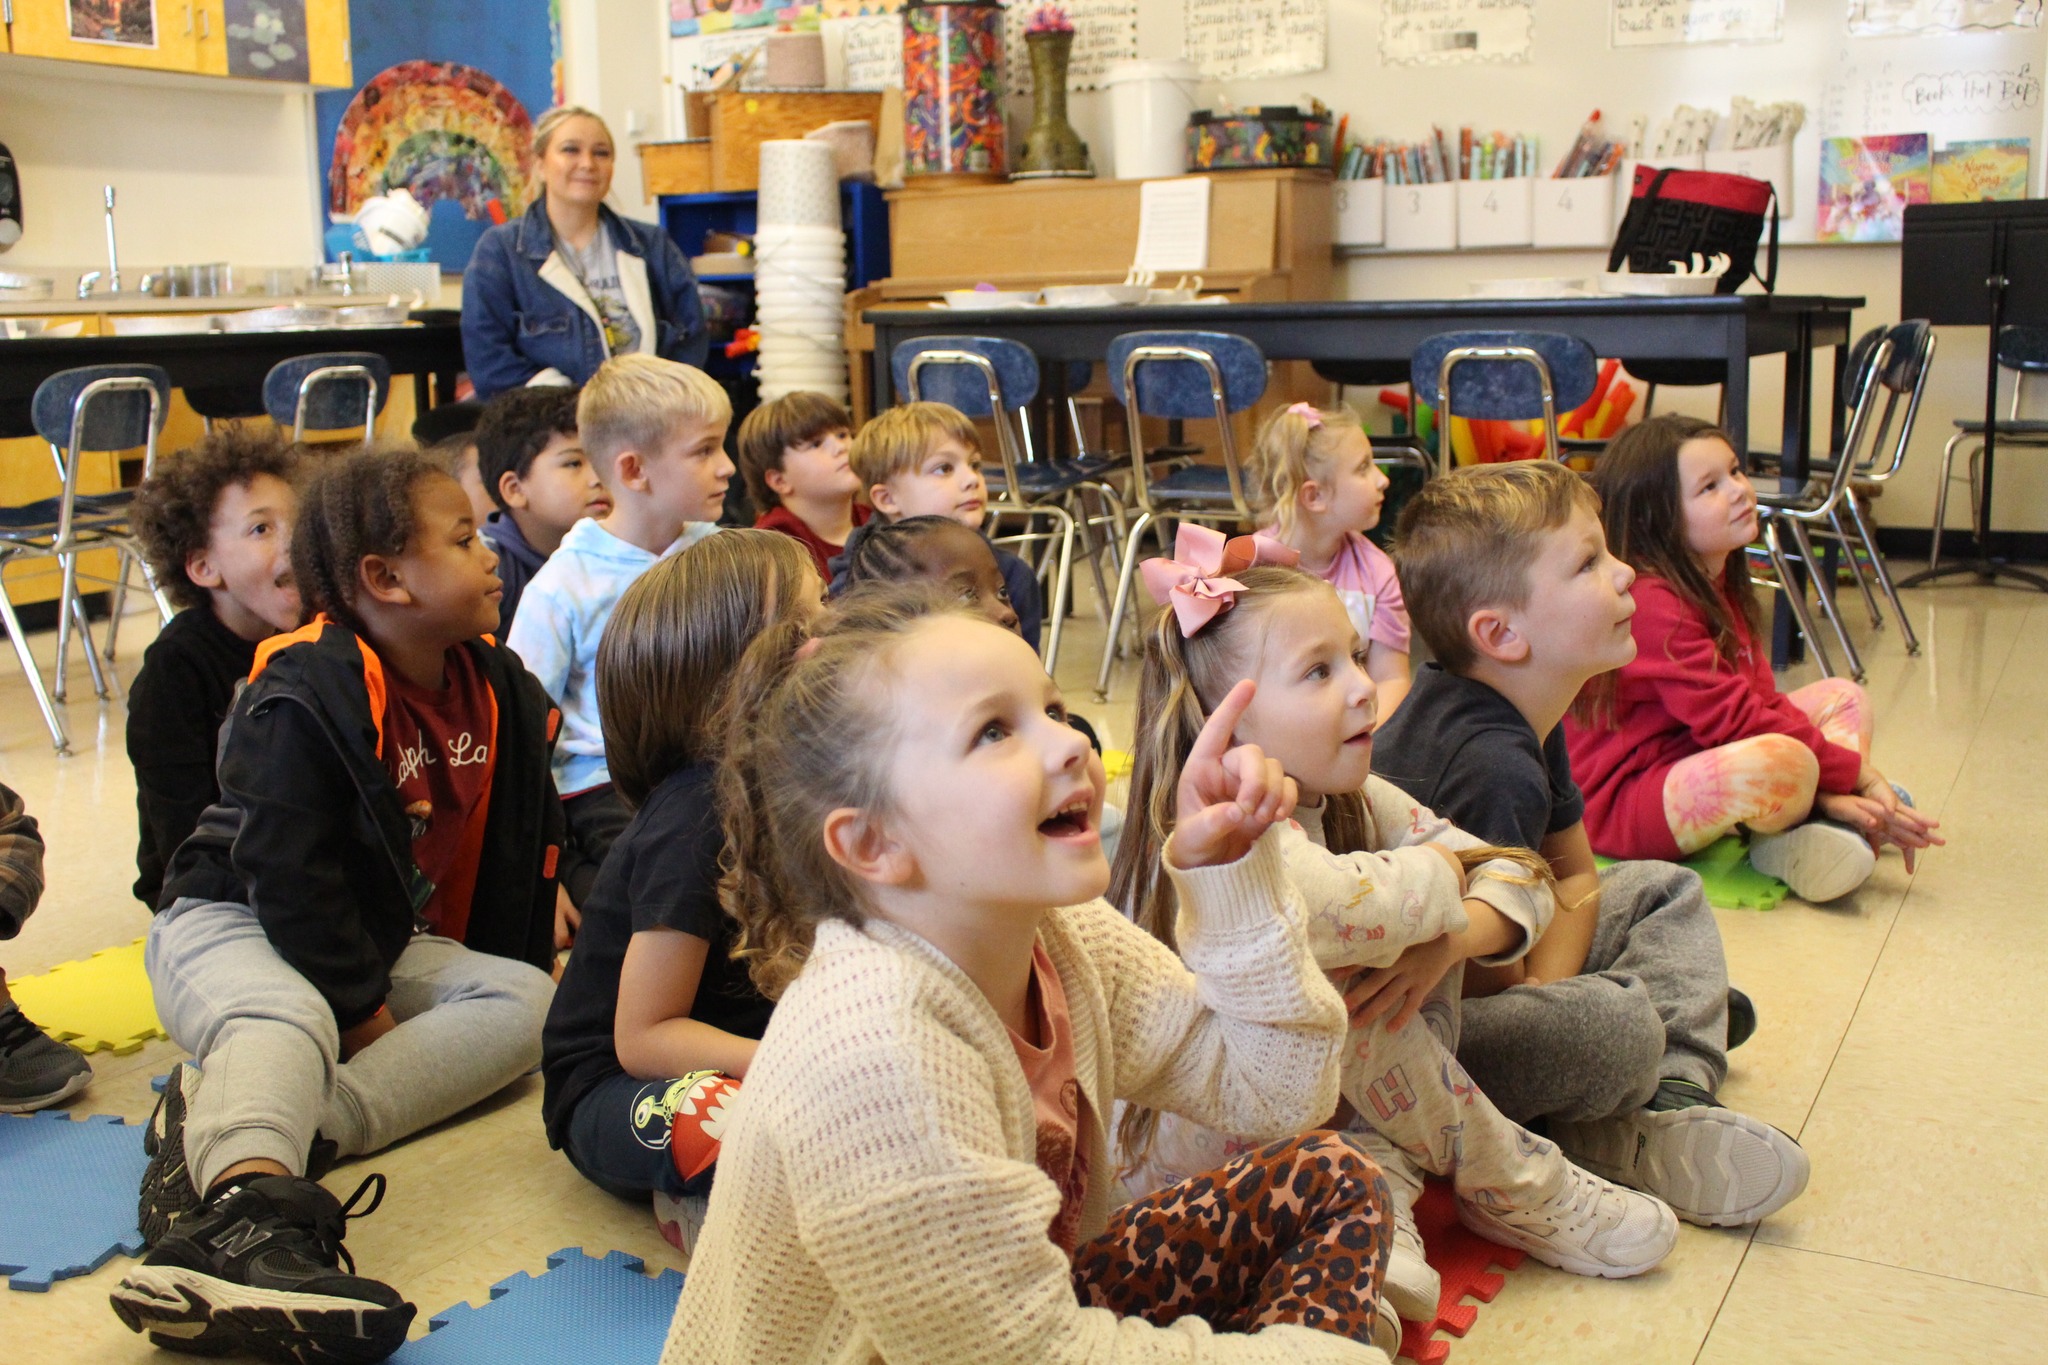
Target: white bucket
(1149, 106)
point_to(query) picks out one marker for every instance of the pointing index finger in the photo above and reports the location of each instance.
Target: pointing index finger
(1214, 740)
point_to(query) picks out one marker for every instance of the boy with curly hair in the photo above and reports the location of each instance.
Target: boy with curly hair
(215, 523)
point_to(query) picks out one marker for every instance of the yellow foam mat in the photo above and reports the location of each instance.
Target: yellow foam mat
(102, 1002)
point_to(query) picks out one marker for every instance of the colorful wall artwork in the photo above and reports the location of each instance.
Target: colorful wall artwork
(267, 39)
(129, 23)
(1866, 183)
(1973, 172)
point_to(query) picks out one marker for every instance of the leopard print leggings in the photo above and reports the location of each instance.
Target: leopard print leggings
(1296, 1232)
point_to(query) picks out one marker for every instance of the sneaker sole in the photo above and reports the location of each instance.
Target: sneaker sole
(184, 1310)
(1551, 1255)
(1819, 863)
(680, 1220)
(167, 1193)
(57, 1096)
(1713, 1166)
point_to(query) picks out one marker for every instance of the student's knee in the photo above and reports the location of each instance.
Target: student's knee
(1788, 770)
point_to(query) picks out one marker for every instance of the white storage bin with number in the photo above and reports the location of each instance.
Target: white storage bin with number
(1361, 212)
(1625, 181)
(1576, 211)
(1496, 212)
(1422, 217)
(1760, 163)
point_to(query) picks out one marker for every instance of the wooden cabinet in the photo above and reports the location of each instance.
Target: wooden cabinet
(166, 35)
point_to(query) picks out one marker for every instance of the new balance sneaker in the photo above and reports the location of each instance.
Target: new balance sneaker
(1741, 1019)
(679, 1218)
(1412, 1284)
(1713, 1166)
(1820, 860)
(1590, 1227)
(36, 1071)
(167, 1190)
(259, 1270)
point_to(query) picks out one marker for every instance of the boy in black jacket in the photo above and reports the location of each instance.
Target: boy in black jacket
(353, 941)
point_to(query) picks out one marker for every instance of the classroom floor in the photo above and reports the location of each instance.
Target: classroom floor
(1893, 1038)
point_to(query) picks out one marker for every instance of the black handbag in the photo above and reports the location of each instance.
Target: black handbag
(1675, 213)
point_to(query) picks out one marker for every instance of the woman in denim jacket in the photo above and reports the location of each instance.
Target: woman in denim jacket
(549, 298)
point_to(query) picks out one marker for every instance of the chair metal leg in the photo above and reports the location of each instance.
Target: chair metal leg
(100, 686)
(1123, 596)
(31, 670)
(1825, 592)
(1884, 575)
(1856, 569)
(1795, 597)
(1948, 455)
(1062, 584)
(66, 590)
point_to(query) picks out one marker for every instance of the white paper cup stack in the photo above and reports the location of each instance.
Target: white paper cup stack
(800, 272)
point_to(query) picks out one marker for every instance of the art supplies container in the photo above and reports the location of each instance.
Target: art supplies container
(1574, 211)
(1760, 163)
(1496, 212)
(1150, 102)
(953, 90)
(1361, 212)
(1266, 137)
(1422, 217)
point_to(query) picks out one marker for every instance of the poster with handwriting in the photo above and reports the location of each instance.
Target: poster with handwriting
(1105, 31)
(1654, 23)
(869, 52)
(1888, 18)
(1442, 32)
(1231, 40)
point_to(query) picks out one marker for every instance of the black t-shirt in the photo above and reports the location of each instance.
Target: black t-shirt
(661, 874)
(1464, 751)
(175, 707)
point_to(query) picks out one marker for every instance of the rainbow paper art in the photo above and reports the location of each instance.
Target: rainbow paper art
(952, 89)
(439, 129)
(1866, 183)
(1973, 172)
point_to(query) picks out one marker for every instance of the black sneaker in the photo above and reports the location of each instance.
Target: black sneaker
(167, 1190)
(1741, 1019)
(36, 1071)
(260, 1270)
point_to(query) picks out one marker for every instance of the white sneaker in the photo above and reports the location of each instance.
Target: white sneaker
(1820, 860)
(1713, 1166)
(1386, 1330)
(680, 1220)
(1590, 1227)
(1412, 1284)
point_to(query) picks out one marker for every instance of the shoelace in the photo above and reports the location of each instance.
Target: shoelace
(331, 1229)
(16, 1028)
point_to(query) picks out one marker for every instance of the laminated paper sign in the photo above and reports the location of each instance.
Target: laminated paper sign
(1441, 32)
(1653, 23)
(1886, 18)
(1232, 40)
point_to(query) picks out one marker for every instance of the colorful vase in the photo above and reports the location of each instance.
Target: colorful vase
(953, 89)
(1051, 148)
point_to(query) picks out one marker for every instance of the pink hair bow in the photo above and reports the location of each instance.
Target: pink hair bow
(1197, 582)
(1307, 413)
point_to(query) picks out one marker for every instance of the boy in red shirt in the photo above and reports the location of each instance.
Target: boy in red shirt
(793, 455)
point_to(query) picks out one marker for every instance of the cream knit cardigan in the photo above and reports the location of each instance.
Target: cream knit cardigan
(878, 1194)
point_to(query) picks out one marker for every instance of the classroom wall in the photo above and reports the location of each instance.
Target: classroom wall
(611, 57)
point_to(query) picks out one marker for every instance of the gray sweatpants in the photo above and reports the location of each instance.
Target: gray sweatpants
(1652, 1004)
(269, 1051)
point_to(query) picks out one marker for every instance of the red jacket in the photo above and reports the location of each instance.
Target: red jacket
(822, 550)
(1677, 699)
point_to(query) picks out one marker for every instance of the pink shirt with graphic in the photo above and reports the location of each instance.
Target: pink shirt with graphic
(1363, 575)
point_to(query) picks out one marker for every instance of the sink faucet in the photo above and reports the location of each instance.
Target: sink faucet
(113, 260)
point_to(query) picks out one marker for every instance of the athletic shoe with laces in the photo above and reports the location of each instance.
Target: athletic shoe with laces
(36, 1071)
(260, 1270)
(1386, 1329)
(1713, 1166)
(1412, 1284)
(1820, 860)
(167, 1191)
(1590, 1227)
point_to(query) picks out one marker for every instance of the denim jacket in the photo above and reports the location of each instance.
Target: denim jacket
(526, 319)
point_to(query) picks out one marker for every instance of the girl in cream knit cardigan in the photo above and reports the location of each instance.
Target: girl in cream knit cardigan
(917, 1167)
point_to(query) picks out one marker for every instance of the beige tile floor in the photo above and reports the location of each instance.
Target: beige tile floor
(1899, 1041)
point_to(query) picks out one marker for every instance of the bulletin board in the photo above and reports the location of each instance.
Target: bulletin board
(1892, 75)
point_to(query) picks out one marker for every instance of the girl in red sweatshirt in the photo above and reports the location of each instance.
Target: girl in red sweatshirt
(1694, 738)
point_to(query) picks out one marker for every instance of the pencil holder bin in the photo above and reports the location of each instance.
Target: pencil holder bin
(1422, 217)
(1361, 212)
(1625, 177)
(1760, 163)
(1495, 212)
(1578, 211)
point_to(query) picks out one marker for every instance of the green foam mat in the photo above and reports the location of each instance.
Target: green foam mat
(1731, 883)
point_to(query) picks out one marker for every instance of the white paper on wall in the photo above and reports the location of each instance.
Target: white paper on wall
(1105, 31)
(1653, 23)
(1241, 39)
(1884, 18)
(1443, 32)
(1173, 225)
(693, 59)
(864, 53)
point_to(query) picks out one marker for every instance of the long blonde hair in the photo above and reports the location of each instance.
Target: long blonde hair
(1291, 451)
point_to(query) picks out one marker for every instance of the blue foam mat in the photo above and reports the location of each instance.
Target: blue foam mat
(581, 1309)
(67, 1195)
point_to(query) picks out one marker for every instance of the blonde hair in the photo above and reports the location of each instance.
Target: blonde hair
(674, 640)
(1289, 453)
(636, 402)
(895, 442)
(551, 123)
(1466, 541)
(808, 732)
(1184, 678)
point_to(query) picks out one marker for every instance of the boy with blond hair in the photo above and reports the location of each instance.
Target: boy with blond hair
(1614, 1030)
(924, 459)
(655, 431)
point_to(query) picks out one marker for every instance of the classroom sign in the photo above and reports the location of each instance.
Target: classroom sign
(1654, 23)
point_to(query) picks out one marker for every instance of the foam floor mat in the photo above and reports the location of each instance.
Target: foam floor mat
(102, 1002)
(67, 1195)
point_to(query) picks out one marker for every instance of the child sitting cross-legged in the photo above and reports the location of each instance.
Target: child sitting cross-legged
(351, 944)
(1397, 901)
(1615, 1029)
(1692, 739)
(36, 1071)
(654, 1022)
(532, 464)
(1313, 483)
(924, 459)
(215, 523)
(655, 431)
(917, 1165)
(793, 455)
